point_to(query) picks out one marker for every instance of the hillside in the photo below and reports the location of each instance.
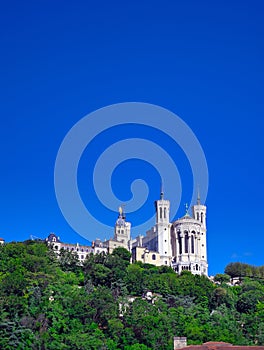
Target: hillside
(46, 303)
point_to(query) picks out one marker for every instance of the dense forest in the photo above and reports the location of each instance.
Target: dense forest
(54, 303)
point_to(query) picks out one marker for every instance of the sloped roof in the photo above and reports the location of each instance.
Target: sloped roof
(221, 346)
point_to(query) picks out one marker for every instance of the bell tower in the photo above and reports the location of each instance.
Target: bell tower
(163, 228)
(122, 228)
(199, 211)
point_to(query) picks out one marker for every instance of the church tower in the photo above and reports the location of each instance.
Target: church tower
(122, 229)
(188, 240)
(199, 211)
(163, 228)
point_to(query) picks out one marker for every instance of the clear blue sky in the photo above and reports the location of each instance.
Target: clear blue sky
(203, 60)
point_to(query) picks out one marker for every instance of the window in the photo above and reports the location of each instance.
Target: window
(192, 244)
(165, 240)
(160, 213)
(82, 257)
(202, 217)
(180, 243)
(197, 216)
(122, 231)
(153, 257)
(165, 262)
(165, 212)
(186, 242)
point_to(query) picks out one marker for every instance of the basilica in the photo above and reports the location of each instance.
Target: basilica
(180, 244)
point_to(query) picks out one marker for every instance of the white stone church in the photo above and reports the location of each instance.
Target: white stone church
(180, 244)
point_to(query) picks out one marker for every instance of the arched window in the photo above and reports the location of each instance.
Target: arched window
(180, 242)
(186, 242)
(160, 213)
(197, 216)
(196, 267)
(165, 213)
(153, 257)
(192, 244)
(202, 217)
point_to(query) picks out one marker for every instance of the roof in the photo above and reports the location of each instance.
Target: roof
(51, 236)
(1, 239)
(186, 217)
(221, 346)
(120, 222)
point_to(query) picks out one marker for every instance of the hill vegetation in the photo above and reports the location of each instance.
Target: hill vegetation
(50, 303)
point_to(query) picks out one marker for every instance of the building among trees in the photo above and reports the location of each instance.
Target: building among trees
(180, 244)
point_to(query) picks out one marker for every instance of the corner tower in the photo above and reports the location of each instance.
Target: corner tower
(163, 228)
(188, 238)
(199, 211)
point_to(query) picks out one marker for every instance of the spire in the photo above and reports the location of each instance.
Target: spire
(161, 190)
(186, 209)
(198, 196)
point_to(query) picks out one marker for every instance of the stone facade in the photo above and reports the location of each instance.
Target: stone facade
(180, 244)
(81, 250)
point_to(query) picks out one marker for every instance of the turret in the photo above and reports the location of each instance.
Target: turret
(199, 211)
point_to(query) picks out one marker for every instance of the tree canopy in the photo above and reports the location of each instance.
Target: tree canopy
(53, 302)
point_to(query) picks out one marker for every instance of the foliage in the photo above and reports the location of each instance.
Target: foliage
(238, 269)
(53, 302)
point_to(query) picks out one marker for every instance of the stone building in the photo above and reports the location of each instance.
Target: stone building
(180, 244)
(122, 234)
(81, 250)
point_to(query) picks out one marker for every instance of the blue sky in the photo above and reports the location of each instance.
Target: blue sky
(202, 60)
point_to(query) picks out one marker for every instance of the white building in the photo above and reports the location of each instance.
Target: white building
(180, 244)
(81, 250)
(122, 236)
